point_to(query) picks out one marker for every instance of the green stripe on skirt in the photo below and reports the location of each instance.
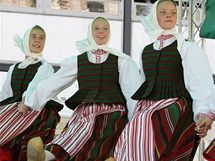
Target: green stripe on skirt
(175, 135)
(101, 144)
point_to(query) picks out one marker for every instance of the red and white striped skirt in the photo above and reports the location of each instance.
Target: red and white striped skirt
(81, 126)
(158, 131)
(12, 123)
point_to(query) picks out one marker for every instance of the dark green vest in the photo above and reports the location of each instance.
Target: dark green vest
(164, 74)
(20, 79)
(98, 83)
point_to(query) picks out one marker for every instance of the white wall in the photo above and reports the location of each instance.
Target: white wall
(62, 33)
(139, 40)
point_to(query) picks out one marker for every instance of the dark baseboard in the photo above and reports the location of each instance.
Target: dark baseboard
(5, 65)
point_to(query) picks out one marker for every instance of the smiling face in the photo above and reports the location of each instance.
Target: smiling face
(166, 15)
(36, 40)
(100, 31)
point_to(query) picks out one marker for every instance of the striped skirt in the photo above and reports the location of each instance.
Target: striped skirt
(209, 152)
(16, 130)
(159, 131)
(91, 133)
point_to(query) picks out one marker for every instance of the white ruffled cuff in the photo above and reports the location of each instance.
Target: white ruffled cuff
(210, 114)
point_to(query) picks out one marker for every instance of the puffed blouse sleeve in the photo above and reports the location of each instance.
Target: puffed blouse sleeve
(43, 72)
(51, 87)
(130, 80)
(198, 80)
(6, 90)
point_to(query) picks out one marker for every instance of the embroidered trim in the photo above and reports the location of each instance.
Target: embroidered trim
(210, 114)
(98, 54)
(162, 38)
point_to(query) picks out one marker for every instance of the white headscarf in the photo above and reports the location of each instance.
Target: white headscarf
(154, 30)
(89, 44)
(23, 44)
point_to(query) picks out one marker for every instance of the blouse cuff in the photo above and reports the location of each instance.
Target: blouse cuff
(210, 114)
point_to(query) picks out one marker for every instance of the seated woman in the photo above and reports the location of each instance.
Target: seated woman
(19, 124)
(107, 78)
(176, 101)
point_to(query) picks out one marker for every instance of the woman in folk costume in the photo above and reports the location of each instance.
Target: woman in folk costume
(107, 79)
(176, 100)
(17, 123)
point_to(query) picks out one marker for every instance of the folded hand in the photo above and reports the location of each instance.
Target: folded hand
(203, 125)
